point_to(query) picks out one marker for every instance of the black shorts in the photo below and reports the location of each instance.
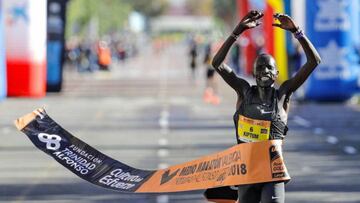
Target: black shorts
(273, 192)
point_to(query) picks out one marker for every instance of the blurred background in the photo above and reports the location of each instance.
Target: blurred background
(133, 79)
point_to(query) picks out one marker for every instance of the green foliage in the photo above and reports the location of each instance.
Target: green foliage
(225, 13)
(200, 7)
(110, 15)
(149, 8)
(225, 9)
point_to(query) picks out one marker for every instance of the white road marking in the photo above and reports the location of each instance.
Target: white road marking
(164, 119)
(301, 121)
(163, 153)
(163, 142)
(319, 131)
(163, 166)
(164, 123)
(350, 150)
(162, 199)
(332, 140)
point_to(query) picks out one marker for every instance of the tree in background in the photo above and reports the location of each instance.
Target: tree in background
(200, 8)
(107, 15)
(224, 11)
(148, 8)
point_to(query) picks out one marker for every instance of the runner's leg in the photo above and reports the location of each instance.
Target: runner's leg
(273, 192)
(249, 194)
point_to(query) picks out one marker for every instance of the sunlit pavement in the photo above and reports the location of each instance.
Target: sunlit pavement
(149, 114)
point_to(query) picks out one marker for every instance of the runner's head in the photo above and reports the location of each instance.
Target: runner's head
(265, 70)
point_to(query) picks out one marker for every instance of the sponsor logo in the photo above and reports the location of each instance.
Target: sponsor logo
(18, 13)
(265, 112)
(52, 141)
(277, 166)
(335, 65)
(272, 197)
(166, 177)
(121, 179)
(333, 15)
(75, 161)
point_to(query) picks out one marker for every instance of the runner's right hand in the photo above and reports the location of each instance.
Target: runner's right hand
(249, 21)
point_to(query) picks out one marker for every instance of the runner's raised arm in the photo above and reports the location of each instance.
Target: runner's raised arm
(249, 21)
(312, 56)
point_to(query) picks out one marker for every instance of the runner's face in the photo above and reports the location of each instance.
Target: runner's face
(265, 71)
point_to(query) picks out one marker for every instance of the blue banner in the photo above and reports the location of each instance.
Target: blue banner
(55, 44)
(2, 58)
(54, 62)
(333, 27)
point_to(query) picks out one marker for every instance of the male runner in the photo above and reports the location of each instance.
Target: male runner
(263, 103)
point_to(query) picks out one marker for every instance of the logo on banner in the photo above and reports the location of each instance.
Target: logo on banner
(52, 141)
(166, 177)
(334, 64)
(276, 164)
(332, 15)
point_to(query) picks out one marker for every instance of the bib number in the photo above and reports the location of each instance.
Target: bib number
(252, 130)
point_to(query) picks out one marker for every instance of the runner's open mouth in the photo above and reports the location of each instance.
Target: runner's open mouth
(265, 78)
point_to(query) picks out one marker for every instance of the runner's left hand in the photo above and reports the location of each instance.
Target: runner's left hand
(286, 22)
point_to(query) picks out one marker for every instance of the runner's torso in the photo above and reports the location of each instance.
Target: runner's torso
(255, 121)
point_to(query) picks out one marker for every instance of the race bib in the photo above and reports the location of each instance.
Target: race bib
(252, 130)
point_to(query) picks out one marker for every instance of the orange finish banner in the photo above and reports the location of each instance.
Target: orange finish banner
(241, 164)
(245, 163)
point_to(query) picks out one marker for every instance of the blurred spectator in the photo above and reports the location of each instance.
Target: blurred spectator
(104, 55)
(121, 52)
(193, 53)
(210, 94)
(73, 54)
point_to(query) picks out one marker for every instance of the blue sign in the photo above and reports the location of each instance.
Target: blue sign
(55, 44)
(2, 58)
(333, 27)
(54, 62)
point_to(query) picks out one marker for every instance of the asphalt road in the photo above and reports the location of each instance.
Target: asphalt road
(149, 113)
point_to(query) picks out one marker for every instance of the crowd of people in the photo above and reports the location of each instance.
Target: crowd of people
(91, 56)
